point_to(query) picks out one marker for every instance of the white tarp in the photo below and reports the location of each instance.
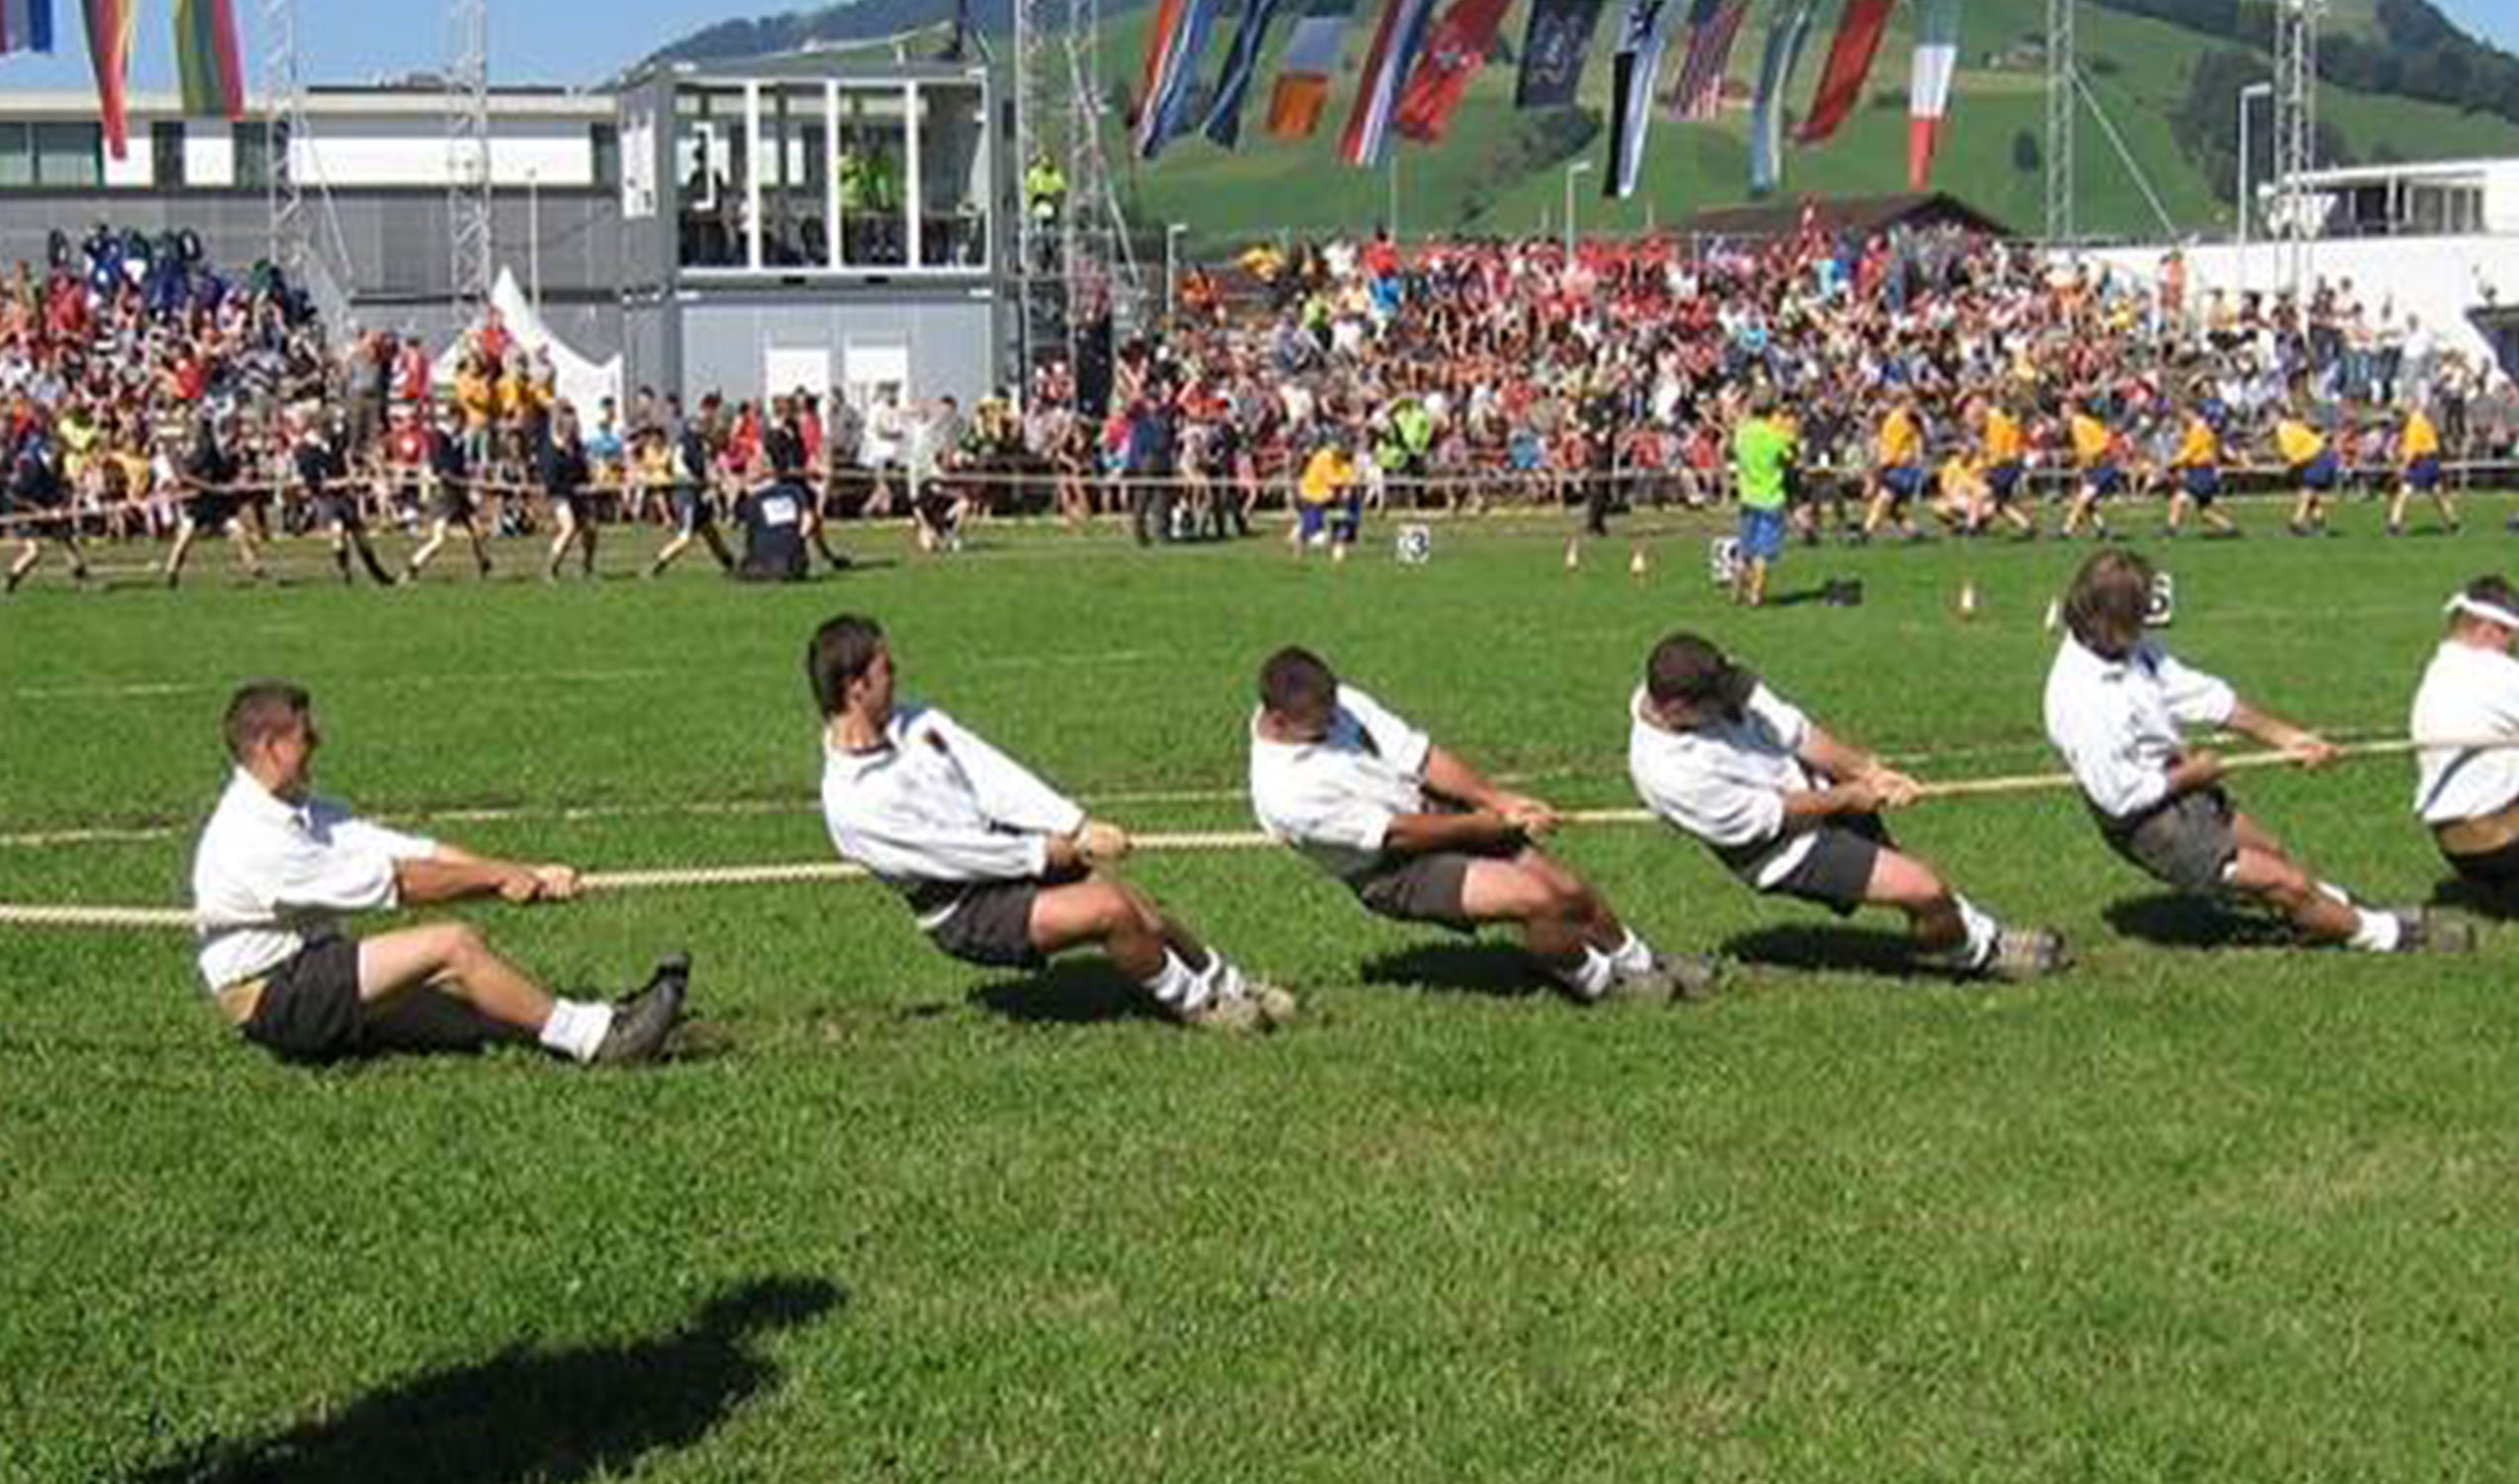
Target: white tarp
(583, 384)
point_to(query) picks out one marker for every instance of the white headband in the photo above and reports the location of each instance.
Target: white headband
(2476, 607)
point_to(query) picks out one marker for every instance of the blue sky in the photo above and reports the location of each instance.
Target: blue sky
(352, 41)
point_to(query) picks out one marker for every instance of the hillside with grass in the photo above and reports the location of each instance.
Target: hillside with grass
(2167, 88)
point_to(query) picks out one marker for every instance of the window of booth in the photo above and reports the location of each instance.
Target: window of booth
(711, 149)
(953, 176)
(69, 154)
(17, 155)
(166, 154)
(795, 157)
(871, 161)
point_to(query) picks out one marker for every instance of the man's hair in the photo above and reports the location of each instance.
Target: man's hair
(261, 710)
(2105, 610)
(1298, 685)
(1685, 668)
(2493, 589)
(840, 651)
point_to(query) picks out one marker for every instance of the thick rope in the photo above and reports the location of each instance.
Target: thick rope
(71, 916)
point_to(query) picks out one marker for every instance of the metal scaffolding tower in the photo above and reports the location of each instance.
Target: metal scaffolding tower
(2062, 102)
(471, 256)
(283, 120)
(2296, 134)
(1078, 264)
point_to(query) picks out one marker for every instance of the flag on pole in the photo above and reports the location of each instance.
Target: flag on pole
(1713, 26)
(108, 52)
(1454, 53)
(1397, 42)
(1311, 58)
(1631, 70)
(1786, 35)
(206, 58)
(1173, 47)
(1242, 63)
(26, 26)
(1553, 46)
(1859, 41)
(1928, 88)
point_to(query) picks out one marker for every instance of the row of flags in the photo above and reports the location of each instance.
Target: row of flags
(1419, 65)
(208, 60)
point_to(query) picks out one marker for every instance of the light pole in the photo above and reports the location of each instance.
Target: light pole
(1171, 259)
(2252, 91)
(533, 234)
(1579, 167)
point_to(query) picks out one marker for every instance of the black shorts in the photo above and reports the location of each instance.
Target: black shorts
(990, 923)
(310, 1009)
(2495, 870)
(1420, 889)
(337, 509)
(1836, 874)
(211, 512)
(693, 512)
(453, 502)
(2186, 842)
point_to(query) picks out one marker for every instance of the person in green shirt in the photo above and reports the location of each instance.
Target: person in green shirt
(1762, 451)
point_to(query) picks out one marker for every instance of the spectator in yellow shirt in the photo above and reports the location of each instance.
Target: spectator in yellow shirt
(2197, 467)
(2315, 467)
(2094, 453)
(2418, 453)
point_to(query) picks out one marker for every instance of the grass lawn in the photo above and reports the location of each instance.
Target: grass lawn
(2205, 1208)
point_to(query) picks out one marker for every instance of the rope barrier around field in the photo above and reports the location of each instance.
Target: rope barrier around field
(606, 882)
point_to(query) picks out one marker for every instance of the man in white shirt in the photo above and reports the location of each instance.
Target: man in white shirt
(276, 866)
(1000, 869)
(2470, 795)
(1419, 836)
(2116, 705)
(1794, 811)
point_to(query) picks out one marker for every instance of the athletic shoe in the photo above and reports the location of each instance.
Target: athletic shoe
(2025, 954)
(2422, 931)
(1257, 1010)
(1688, 977)
(641, 1022)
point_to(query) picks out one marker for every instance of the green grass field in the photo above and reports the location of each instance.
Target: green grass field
(2205, 1208)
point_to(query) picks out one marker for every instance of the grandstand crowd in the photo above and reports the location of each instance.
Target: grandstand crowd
(144, 396)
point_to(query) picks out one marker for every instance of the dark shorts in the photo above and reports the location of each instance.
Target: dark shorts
(211, 512)
(2497, 871)
(2423, 474)
(337, 509)
(2003, 481)
(692, 511)
(2321, 472)
(2186, 842)
(991, 924)
(2203, 485)
(310, 1009)
(453, 502)
(1903, 482)
(2103, 481)
(1420, 889)
(1837, 871)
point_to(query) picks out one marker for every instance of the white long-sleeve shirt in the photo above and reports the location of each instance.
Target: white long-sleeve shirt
(1334, 799)
(269, 875)
(2116, 723)
(1725, 783)
(935, 803)
(2467, 695)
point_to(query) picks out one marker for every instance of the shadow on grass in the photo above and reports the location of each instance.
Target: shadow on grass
(1827, 948)
(1492, 969)
(2168, 920)
(1082, 991)
(556, 1416)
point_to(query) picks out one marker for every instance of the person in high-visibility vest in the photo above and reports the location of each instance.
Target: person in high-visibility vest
(2418, 452)
(1045, 191)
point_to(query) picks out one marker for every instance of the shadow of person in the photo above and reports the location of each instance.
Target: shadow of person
(1082, 991)
(1831, 948)
(527, 1415)
(2169, 920)
(1491, 969)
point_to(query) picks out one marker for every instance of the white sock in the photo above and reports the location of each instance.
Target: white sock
(2335, 894)
(1634, 956)
(2376, 932)
(1178, 987)
(1589, 979)
(576, 1028)
(1982, 932)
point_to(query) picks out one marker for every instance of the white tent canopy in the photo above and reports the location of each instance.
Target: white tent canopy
(583, 384)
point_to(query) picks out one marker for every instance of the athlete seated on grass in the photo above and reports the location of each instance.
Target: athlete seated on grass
(999, 868)
(276, 866)
(2115, 701)
(1794, 811)
(2470, 795)
(1419, 836)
